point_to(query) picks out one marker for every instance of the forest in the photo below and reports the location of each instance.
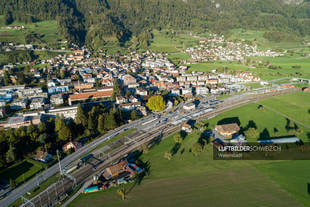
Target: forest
(94, 23)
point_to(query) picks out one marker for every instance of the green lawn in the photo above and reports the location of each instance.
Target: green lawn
(207, 67)
(187, 180)
(257, 37)
(292, 176)
(21, 171)
(177, 57)
(164, 43)
(296, 105)
(48, 30)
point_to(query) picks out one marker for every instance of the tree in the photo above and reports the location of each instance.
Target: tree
(197, 148)
(12, 183)
(100, 127)
(8, 18)
(109, 121)
(116, 89)
(168, 155)
(42, 127)
(6, 78)
(32, 132)
(43, 138)
(133, 115)
(156, 103)
(65, 133)
(177, 138)
(11, 154)
(80, 117)
(122, 192)
(91, 124)
(59, 123)
(251, 133)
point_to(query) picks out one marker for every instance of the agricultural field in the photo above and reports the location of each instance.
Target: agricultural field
(47, 30)
(189, 180)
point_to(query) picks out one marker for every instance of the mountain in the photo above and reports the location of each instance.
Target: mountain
(96, 22)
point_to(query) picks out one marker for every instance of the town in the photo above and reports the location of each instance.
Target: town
(67, 101)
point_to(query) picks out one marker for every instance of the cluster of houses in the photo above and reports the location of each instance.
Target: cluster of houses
(81, 78)
(114, 175)
(216, 48)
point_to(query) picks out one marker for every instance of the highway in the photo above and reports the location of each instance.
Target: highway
(151, 127)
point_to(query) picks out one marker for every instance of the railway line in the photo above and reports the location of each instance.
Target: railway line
(58, 191)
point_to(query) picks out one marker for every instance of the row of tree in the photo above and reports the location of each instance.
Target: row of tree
(16, 144)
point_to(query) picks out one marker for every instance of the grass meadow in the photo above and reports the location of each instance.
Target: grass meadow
(48, 30)
(188, 180)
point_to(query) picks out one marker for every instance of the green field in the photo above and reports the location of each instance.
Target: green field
(295, 105)
(257, 37)
(291, 176)
(175, 58)
(48, 30)
(286, 63)
(187, 180)
(165, 43)
(22, 171)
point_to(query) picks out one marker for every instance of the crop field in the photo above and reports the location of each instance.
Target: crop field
(188, 180)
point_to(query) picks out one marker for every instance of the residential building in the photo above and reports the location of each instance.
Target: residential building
(227, 130)
(57, 99)
(72, 145)
(189, 107)
(128, 80)
(58, 89)
(43, 156)
(102, 93)
(37, 103)
(19, 104)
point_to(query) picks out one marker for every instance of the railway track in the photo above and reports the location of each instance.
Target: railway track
(56, 192)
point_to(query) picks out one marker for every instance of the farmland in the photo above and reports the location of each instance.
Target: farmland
(188, 180)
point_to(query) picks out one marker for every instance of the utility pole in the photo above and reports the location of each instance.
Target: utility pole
(60, 169)
(27, 201)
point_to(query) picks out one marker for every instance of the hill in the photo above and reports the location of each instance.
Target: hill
(130, 23)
